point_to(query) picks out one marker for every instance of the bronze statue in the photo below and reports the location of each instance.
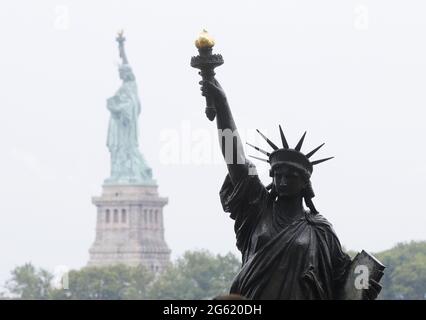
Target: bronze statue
(288, 252)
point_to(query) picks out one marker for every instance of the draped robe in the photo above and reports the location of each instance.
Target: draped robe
(301, 259)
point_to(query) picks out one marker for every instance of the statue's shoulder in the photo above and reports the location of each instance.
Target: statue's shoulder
(321, 223)
(318, 220)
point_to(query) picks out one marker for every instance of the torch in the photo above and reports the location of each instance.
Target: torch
(121, 39)
(206, 62)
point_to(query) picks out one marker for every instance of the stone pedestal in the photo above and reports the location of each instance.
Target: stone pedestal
(129, 227)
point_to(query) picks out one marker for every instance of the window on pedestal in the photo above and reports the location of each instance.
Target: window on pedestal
(123, 216)
(156, 216)
(115, 216)
(150, 216)
(107, 216)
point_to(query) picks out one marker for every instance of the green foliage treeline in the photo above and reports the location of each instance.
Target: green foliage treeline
(199, 275)
(405, 273)
(196, 275)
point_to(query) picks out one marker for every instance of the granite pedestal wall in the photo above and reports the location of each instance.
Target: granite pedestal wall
(129, 228)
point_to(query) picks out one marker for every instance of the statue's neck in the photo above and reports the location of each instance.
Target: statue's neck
(290, 207)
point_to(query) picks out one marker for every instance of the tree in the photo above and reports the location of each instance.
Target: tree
(197, 275)
(29, 283)
(107, 283)
(405, 273)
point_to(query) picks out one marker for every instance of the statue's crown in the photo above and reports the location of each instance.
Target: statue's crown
(286, 155)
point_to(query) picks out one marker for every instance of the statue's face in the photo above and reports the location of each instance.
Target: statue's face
(126, 74)
(288, 181)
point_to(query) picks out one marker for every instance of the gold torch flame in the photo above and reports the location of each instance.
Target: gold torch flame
(204, 40)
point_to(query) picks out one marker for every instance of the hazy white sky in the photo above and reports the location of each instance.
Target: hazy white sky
(352, 73)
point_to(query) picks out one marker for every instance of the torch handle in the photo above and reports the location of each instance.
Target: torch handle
(210, 108)
(208, 75)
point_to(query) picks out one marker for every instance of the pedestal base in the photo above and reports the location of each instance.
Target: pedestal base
(129, 228)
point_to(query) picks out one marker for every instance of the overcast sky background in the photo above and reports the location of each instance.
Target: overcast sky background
(351, 73)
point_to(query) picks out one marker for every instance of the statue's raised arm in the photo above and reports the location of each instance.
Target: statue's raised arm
(121, 39)
(217, 106)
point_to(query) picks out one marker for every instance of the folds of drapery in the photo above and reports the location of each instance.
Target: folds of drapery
(303, 260)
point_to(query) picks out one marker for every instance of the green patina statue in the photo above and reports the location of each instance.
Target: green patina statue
(127, 163)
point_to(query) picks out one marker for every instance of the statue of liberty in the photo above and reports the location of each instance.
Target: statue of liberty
(127, 163)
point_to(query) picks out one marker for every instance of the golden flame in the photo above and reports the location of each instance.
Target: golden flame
(204, 40)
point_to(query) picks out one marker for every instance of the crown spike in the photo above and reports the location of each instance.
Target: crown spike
(310, 154)
(261, 159)
(268, 141)
(258, 149)
(284, 141)
(321, 160)
(299, 144)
